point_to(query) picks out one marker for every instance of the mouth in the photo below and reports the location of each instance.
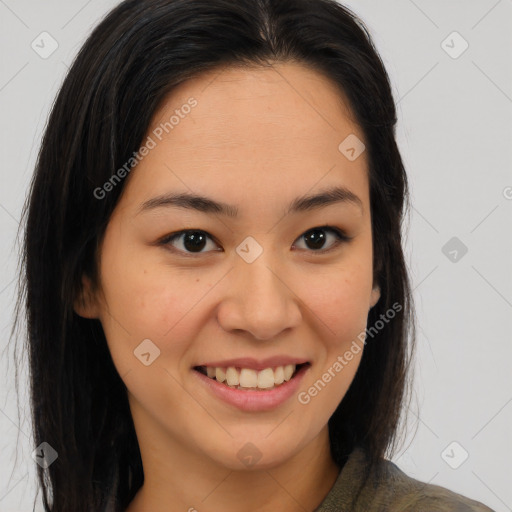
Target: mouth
(248, 379)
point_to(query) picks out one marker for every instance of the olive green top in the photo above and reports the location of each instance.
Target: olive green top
(393, 492)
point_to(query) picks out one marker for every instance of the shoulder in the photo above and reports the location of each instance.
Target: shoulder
(390, 489)
(398, 491)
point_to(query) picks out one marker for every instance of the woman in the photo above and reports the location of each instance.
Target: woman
(219, 312)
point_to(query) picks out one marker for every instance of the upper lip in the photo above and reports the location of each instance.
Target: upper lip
(256, 364)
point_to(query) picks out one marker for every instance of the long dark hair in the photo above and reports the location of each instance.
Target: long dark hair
(131, 61)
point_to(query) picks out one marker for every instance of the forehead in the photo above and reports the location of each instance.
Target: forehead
(237, 133)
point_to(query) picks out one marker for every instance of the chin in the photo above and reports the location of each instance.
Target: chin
(252, 455)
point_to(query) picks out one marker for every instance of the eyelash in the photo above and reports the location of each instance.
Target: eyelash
(341, 238)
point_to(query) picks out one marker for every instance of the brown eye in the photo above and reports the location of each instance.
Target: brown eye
(316, 238)
(190, 241)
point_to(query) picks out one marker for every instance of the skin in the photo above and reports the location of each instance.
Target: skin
(257, 139)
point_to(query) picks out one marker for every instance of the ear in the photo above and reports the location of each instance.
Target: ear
(374, 296)
(86, 304)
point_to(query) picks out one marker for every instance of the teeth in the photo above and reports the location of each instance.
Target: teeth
(246, 378)
(288, 371)
(232, 377)
(220, 374)
(266, 378)
(279, 375)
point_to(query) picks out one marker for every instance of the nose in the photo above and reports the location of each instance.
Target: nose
(259, 300)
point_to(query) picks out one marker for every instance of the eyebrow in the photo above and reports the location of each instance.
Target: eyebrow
(204, 204)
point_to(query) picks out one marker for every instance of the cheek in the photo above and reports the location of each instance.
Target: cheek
(151, 301)
(338, 301)
(340, 305)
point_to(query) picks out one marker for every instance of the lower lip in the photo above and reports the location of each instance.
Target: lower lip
(255, 400)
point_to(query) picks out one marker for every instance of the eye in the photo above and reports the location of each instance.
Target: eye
(316, 238)
(193, 240)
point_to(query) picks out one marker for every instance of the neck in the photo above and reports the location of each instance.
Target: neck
(191, 482)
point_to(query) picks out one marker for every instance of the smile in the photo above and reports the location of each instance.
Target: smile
(250, 379)
(249, 389)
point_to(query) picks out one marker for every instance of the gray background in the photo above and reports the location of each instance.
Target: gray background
(454, 132)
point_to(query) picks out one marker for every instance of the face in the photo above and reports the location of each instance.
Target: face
(268, 280)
